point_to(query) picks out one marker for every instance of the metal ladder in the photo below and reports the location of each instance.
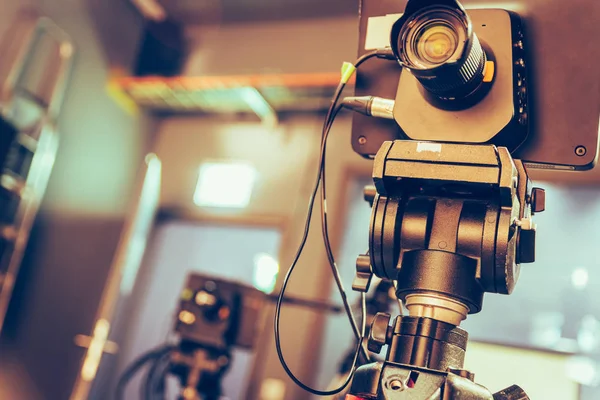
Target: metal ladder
(36, 59)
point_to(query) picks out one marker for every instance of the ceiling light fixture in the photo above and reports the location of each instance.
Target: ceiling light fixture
(225, 184)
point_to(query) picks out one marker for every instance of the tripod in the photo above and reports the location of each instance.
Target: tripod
(200, 371)
(380, 301)
(449, 222)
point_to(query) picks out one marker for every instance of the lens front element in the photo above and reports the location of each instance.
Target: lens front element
(438, 45)
(435, 43)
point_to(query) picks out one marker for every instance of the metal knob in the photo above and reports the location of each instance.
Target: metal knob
(369, 193)
(538, 200)
(378, 336)
(362, 279)
(526, 246)
(511, 393)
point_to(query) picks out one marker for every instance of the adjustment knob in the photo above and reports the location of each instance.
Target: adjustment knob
(362, 279)
(369, 193)
(378, 336)
(538, 200)
(511, 393)
(526, 245)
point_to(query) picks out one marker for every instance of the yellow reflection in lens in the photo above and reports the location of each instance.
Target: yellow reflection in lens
(436, 43)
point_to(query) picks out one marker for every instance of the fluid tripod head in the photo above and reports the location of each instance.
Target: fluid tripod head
(449, 222)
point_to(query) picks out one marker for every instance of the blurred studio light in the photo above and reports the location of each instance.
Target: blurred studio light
(266, 269)
(582, 370)
(588, 336)
(579, 278)
(546, 329)
(226, 184)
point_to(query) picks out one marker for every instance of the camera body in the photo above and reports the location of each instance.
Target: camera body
(543, 103)
(498, 113)
(218, 313)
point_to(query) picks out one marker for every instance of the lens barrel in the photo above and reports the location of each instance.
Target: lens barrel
(436, 42)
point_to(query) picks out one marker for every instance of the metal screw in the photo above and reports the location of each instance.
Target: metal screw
(580, 151)
(396, 384)
(362, 140)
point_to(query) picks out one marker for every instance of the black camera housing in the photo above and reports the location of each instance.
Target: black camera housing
(232, 321)
(499, 116)
(550, 121)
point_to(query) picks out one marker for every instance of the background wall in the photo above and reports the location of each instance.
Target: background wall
(7, 12)
(303, 45)
(77, 229)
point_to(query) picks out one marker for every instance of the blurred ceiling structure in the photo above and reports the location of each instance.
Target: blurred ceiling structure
(191, 12)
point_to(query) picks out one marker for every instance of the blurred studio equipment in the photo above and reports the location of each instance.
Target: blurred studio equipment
(163, 47)
(34, 72)
(214, 317)
(453, 105)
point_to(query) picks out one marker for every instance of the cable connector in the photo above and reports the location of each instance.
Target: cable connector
(348, 70)
(371, 106)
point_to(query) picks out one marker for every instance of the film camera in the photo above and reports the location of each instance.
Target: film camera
(471, 97)
(522, 77)
(219, 313)
(214, 316)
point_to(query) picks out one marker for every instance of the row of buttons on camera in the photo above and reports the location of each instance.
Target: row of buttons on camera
(520, 78)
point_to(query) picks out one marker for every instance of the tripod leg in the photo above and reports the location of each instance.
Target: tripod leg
(513, 392)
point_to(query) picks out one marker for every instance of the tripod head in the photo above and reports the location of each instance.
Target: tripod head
(449, 223)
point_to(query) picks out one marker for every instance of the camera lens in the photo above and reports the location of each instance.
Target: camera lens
(437, 44)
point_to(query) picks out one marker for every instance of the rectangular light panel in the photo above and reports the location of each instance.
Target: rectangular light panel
(225, 184)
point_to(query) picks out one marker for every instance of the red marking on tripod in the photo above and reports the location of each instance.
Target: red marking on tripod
(351, 397)
(412, 379)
